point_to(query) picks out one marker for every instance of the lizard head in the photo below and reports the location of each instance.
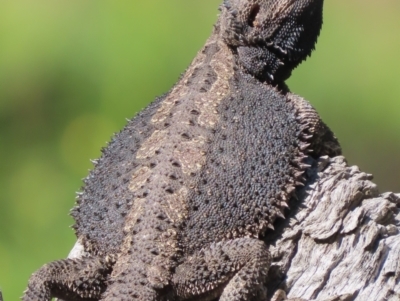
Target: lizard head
(271, 37)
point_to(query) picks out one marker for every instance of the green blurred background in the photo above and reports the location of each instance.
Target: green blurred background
(72, 71)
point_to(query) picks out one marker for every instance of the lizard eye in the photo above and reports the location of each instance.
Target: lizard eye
(251, 21)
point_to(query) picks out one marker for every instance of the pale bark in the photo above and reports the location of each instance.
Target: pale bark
(342, 242)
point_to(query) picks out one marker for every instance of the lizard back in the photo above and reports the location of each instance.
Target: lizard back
(148, 169)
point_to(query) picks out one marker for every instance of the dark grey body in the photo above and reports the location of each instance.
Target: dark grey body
(176, 206)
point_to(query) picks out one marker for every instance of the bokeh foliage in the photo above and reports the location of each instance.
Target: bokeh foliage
(71, 71)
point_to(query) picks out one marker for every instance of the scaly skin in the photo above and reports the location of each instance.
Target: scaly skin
(176, 207)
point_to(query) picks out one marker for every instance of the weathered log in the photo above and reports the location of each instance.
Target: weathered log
(342, 242)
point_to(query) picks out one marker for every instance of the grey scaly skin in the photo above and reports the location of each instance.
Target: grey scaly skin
(178, 204)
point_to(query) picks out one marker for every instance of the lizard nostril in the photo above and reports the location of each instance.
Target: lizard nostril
(253, 15)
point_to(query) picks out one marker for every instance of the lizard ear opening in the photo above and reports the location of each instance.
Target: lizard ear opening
(251, 21)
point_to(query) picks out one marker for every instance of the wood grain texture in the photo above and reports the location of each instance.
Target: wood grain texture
(343, 242)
